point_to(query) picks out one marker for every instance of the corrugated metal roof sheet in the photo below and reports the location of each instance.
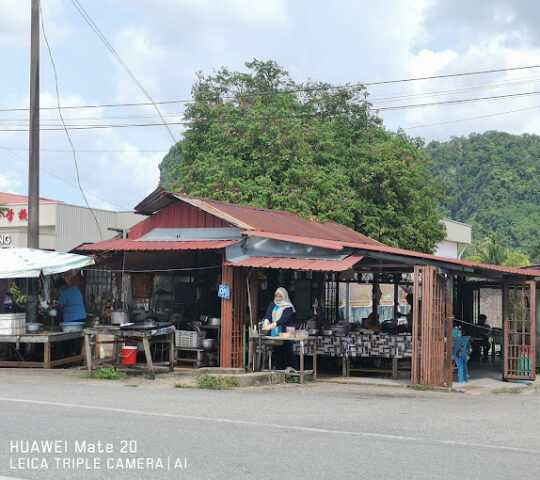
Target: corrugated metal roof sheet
(426, 256)
(315, 242)
(276, 221)
(299, 263)
(255, 218)
(14, 198)
(133, 245)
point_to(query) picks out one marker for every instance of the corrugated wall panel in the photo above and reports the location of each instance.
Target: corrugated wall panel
(177, 215)
(76, 225)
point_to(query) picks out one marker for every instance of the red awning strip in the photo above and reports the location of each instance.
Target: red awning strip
(299, 263)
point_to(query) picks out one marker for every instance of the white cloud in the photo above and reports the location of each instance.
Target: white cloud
(165, 42)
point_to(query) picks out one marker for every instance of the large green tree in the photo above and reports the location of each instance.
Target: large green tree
(259, 138)
(493, 182)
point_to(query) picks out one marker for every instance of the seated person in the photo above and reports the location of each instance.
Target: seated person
(481, 338)
(371, 323)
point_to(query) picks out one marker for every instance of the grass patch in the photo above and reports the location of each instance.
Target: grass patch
(107, 374)
(216, 382)
(425, 388)
(182, 385)
(512, 391)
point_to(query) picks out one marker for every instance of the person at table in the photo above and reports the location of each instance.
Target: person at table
(481, 338)
(371, 323)
(280, 314)
(70, 302)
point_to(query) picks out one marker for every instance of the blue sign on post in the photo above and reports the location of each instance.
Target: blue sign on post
(224, 291)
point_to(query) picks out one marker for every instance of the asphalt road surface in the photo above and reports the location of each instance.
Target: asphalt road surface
(109, 430)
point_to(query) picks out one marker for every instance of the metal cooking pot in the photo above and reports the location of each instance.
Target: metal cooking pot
(340, 331)
(34, 327)
(313, 331)
(214, 321)
(208, 343)
(327, 332)
(118, 318)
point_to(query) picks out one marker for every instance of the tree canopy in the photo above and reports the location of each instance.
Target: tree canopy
(259, 138)
(493, 182)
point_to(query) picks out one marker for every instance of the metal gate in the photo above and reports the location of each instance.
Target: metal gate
(432, 329)
(519, 314)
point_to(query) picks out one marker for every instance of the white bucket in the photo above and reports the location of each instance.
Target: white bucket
(12, 324)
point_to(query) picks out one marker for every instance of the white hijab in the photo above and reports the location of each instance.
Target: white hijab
(285, 303)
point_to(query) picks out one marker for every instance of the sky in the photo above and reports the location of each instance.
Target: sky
(166, 42)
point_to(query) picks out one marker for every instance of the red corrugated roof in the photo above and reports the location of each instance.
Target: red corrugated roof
(276, 221)
(14, 198)
(120, 245)
(299, 263)
(426, 256)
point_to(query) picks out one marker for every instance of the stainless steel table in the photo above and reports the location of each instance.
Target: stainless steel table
(122, 335)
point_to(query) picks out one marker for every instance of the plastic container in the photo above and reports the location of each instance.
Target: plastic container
(72, 326)
(276, 331)
(129, 355)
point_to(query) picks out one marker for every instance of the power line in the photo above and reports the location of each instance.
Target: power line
(64, 124)
(280, 92)
(396, 107)
(102, 37)
(471, 118)
(56, 150)
(457, 101)
(48, 172)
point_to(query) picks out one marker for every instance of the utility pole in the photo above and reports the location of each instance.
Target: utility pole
(33, 159)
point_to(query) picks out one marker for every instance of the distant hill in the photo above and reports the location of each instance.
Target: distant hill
(493, 182)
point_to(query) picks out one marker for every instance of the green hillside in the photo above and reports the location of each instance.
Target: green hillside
(493, 184)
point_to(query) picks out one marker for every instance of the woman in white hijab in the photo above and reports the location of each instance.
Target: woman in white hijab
(278, 315)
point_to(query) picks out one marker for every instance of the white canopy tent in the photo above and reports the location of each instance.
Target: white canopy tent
(31, 263)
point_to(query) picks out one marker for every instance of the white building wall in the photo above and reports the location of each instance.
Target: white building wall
(63, 227)
(447, 249)
(457, 234)
(76, 225)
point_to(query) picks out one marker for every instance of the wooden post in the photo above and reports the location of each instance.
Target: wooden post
(226, 319)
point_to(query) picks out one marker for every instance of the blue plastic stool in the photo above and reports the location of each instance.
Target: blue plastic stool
(459, 354)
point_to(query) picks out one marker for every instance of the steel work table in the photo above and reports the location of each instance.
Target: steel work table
(122, 335)
(46, 339)
(268, 341)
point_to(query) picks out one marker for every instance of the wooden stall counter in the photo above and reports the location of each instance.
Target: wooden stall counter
(47, 339)
(155, 335)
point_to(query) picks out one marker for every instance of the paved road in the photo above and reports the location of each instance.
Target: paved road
(318, 431)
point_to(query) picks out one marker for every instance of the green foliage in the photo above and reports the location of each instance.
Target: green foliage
(168, 175)
(108, 374)
(18, 296)
(218, 382)
(493, 184)
(493, 250)
(3, 210)
(259, 138)
(516, 259)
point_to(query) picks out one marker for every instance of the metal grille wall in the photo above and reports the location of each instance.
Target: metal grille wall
(519, 313)
(432, 319)
(233, 312)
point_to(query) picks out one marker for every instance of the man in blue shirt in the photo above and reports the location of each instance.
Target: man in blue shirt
(70, 301)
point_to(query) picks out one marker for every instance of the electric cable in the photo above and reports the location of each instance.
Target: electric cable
(102, 37)
(62, 118)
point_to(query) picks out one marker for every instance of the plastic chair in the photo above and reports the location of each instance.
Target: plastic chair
(459, 354)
